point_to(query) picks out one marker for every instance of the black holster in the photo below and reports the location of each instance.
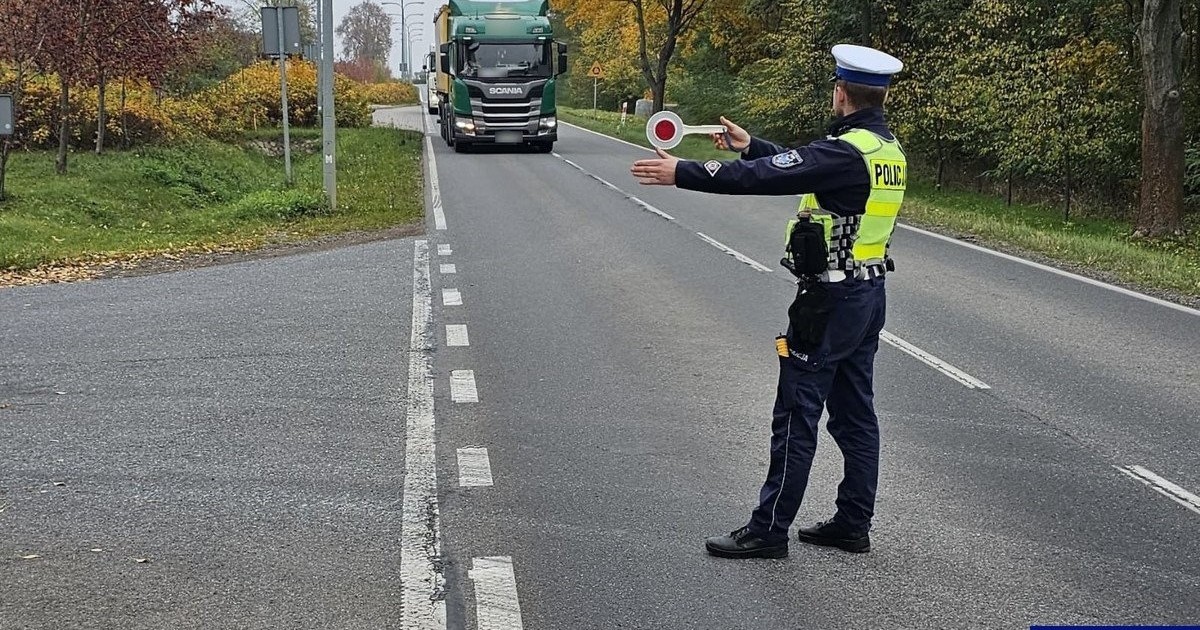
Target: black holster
(808, 315)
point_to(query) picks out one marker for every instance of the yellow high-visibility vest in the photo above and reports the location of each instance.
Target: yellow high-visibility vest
(857, 241)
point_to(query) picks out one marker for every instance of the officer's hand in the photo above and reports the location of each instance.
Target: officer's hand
(660, 172)
(739, 136)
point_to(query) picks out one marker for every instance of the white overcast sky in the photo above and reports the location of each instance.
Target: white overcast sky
(421, 14)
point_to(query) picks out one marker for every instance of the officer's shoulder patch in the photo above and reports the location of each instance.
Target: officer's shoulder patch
(787, 160)
(712, 166)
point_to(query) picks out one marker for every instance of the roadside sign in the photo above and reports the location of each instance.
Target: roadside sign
(271, 31)
(596, 72)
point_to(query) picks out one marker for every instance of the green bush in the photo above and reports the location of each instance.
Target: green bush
(270, 205)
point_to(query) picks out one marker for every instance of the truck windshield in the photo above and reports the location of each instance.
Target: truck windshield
(499, 61)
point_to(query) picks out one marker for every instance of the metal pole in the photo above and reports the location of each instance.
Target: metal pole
(287, 140)
(595, 89)
(317, 60)
(328, 129)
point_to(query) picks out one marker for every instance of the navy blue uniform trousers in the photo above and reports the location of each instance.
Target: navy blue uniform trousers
(838, 376)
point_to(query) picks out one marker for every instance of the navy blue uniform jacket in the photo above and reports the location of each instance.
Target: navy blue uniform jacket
(831, 168)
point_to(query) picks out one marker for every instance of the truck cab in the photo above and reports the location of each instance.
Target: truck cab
(498, 64)
(431, 95)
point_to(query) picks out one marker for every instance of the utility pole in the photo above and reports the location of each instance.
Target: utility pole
(328, 126)
(283, 59)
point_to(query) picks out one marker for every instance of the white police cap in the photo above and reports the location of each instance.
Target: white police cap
(859, 64)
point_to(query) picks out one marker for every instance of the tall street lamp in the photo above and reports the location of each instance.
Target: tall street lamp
(403, 49)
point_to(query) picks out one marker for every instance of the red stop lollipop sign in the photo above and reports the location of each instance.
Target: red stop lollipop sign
(665, 130)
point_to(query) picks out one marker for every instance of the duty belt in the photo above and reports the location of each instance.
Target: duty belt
(866, 272)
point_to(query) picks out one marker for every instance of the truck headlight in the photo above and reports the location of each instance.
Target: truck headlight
(547, 124)
(465, 126)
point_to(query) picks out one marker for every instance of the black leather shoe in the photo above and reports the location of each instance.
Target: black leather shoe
(831, 534)
(740, 543)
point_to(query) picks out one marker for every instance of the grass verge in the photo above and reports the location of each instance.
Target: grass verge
(202, 195)
(1095, 246)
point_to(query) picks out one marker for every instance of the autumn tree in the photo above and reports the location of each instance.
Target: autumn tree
(366, 33)
(20, 47)
(1160, 33)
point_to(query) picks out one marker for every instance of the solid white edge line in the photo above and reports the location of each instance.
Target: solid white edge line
(474, 468)
(962, 377)
(422, 584)
(496, 604)
(439, 216)
(462, 386)
(444, 250)
(451, 297)
(609, 184)
(456, 335)
(1162, 486)
(1017, 259)
(1059, 272)
(733, 252)
(447, 269)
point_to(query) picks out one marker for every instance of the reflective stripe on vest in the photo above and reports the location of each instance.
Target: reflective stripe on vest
(857, 241)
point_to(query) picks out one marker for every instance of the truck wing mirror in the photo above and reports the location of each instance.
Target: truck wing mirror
(444, 58)
(562, 57)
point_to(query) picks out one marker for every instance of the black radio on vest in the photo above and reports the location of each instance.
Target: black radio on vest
(807, 247)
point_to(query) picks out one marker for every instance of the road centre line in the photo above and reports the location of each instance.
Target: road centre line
(456, 335)
(733, 252)
(435, 191)
(1029, 263)
(968, 381)
(645, 206)
(1162, 486)
(451, 297)
(421, 579)
(447, 269)
(444, 250)
(496, 604)
(474, 467)
(462, 386)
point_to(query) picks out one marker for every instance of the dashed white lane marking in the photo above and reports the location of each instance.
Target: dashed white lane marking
(496, 603)
(597, 133)
(421, 581)
(733, 252)
(439, 216)
(456, 335)
(1163, 486)
(970, 382)
(645, 206)
(447, 269)
(462, 386)
(474, 467)
(1059, 272)
(444, 250)
(451, 297)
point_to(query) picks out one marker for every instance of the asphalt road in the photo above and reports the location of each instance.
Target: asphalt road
(251, 430)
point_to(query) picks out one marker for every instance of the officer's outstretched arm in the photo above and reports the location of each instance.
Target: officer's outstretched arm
(760, 148)
(813, 168)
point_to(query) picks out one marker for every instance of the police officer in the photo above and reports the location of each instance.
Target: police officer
(852, 184)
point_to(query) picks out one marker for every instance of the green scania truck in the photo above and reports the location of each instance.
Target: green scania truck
(497, 70)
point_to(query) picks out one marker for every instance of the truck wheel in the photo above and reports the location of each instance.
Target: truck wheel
(462, 147)
(543, 147)
(432, 109)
